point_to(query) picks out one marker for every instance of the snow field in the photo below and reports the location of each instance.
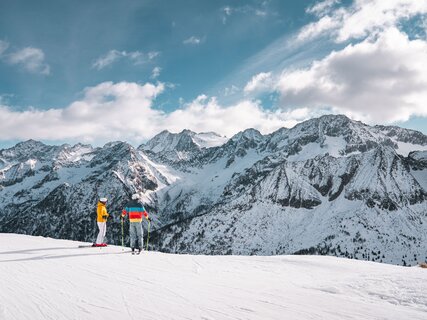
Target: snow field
(42, 278)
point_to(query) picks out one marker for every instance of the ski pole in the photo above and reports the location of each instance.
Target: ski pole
(122, 235)
(148, 234)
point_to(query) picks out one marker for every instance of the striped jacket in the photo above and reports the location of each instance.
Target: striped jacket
(135, 211)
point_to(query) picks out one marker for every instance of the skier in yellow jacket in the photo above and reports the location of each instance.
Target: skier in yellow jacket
(101, 220)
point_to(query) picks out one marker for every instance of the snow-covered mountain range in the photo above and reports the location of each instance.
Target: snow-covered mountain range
(329, 185)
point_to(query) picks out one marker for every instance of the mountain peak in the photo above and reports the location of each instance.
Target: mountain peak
(186, 140)
(28, 149)
(248, 134)
(30, 144)
(166, 141)
(188, 132)
(113, 144)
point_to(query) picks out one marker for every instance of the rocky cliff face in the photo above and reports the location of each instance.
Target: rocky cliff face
(327, 186)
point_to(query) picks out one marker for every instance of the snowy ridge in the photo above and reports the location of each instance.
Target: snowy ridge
(209, 139)
(328, 186)
(174, 148)
(183, 141)
(60, 281)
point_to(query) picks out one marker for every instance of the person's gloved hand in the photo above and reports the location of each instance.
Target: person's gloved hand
(149, 219)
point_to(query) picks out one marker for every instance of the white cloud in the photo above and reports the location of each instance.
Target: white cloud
(260, 82)
(153, 54)
(156, 72)
(3, 46)
(193, 40)
(322, 8)
(106, 112)
(362, 18)
(124, 111)
(312, 30)
(136, 57)
(257, 9)
(381, 79)
(227, 10)
(31, 59)
(106, 59)
(261, 13)
(229, 91)
(206, 114)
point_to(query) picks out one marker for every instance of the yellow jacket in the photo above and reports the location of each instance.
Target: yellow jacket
(101, 211)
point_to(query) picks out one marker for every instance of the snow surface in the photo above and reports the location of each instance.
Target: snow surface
(334, 146)
(43, 278)
(209, 139)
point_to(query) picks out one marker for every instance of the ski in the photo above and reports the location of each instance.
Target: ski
(91, 246)
(100, 245)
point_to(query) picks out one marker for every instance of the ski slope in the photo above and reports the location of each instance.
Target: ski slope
(43, 278)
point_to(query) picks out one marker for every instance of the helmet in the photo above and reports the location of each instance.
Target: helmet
(135, 196)
(103, 200)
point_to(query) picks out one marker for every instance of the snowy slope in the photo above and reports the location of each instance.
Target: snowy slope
(42, 278)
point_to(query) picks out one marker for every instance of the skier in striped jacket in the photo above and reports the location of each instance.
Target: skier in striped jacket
(135, 211)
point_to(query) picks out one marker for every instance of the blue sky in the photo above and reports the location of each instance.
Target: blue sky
(96, 71)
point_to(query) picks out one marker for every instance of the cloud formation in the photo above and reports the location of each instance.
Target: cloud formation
(155, 73)
(136, 57)
(322, 8)
(258, 9)
(378, 74)
(124, 111)
(362, 18)
(381, 79)
(106, 112)
(207, 114)
(259, 83)
(193, 40)
(31, 59)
